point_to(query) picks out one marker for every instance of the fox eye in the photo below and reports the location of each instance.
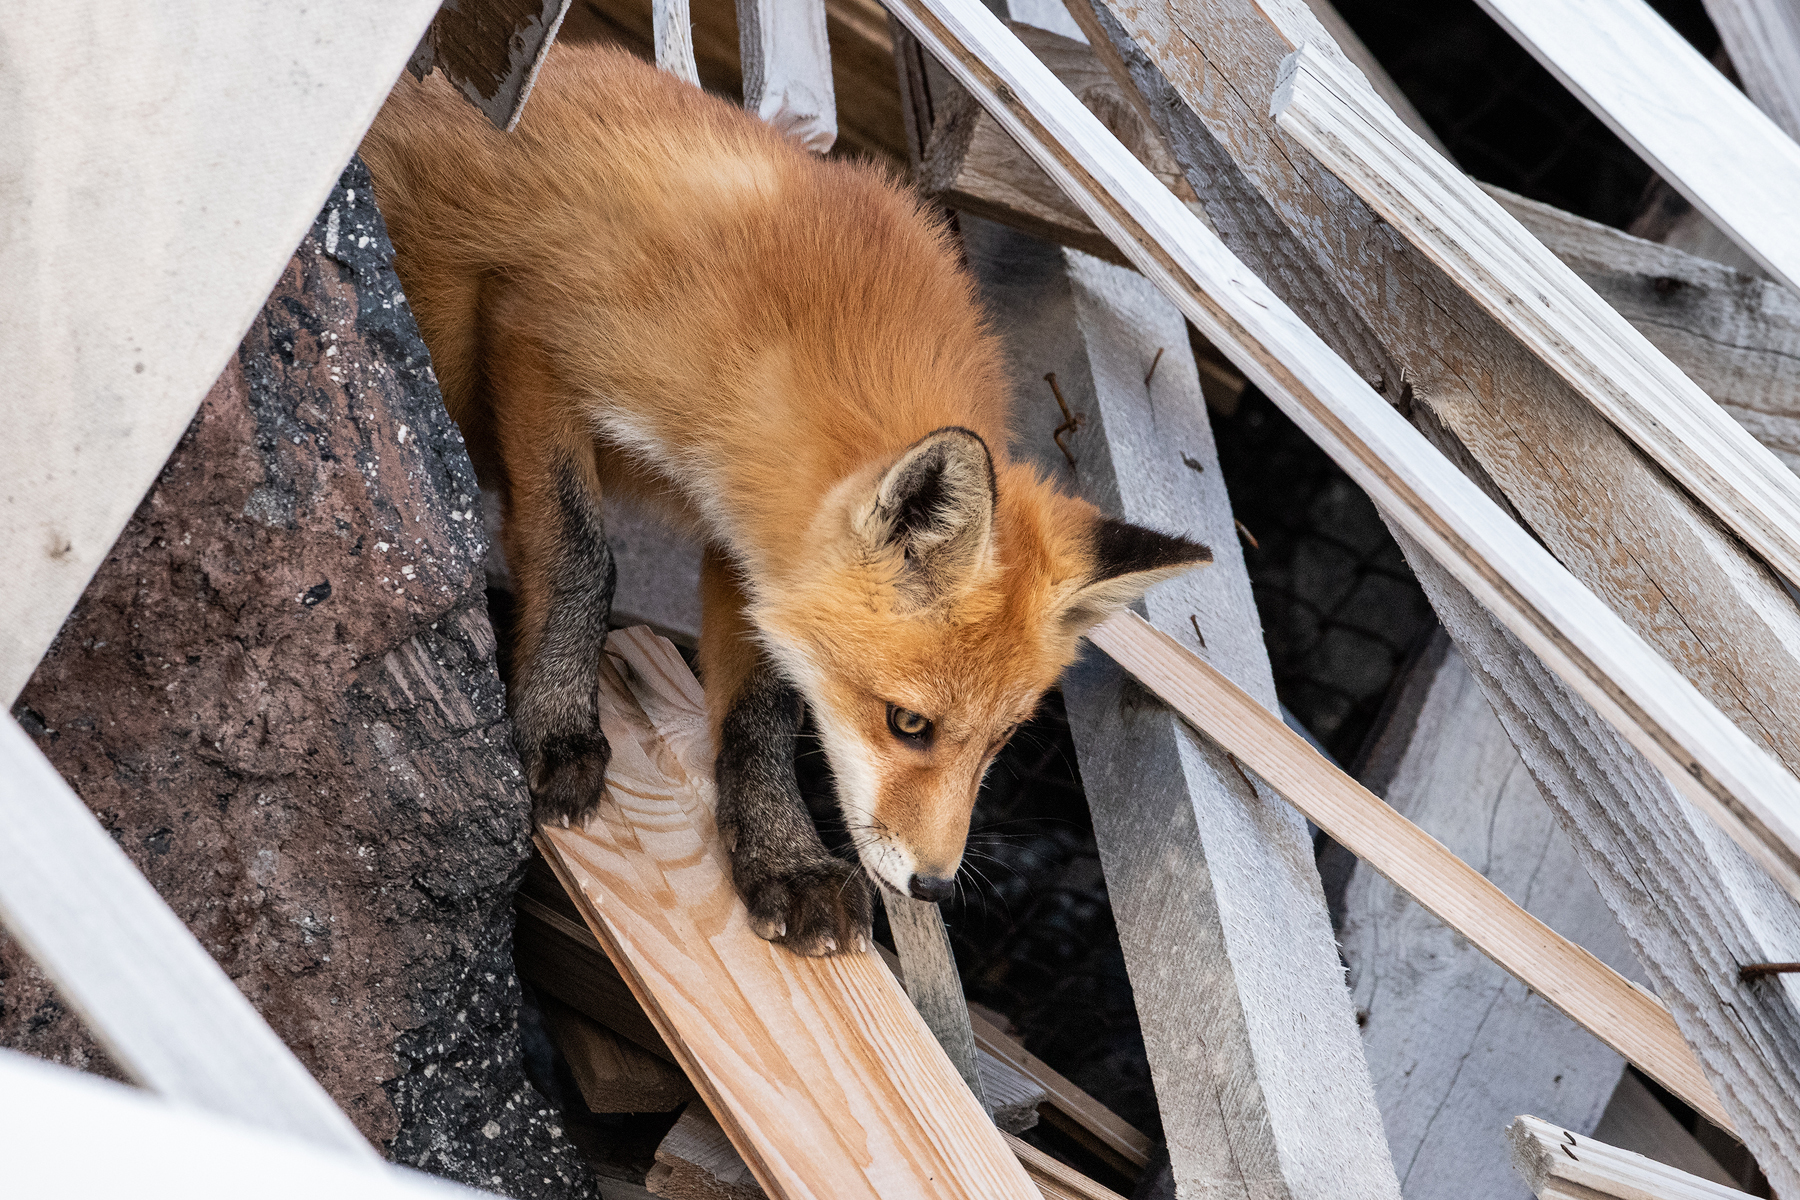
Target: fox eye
(908, 725)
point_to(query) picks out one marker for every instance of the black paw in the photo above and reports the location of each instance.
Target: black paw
(565, 773)
(823, 905)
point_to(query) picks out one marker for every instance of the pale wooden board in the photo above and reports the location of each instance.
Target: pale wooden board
(1636, 1120)
(150, 207)
(1542, 302)
(615, 1075)
(1455, 1044)
(1359, 55)
(787, 69)
(1056, 1180)
(672, 28)
(1675, 109)
(1690, 899)
(1762, 38)
(1109, 1132)
(1212, 882)
(68, 1134)
(1736, 336)
(826, 1080)
(1585, 989)
(928, 973)
(1607, 662)
(1561, 1166)
(146, 989)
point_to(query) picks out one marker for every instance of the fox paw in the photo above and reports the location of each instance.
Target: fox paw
(565, 773)
(821, 907)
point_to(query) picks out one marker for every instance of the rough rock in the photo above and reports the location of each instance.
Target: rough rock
(279, 695)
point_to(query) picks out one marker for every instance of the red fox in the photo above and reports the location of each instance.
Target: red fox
(645, 290)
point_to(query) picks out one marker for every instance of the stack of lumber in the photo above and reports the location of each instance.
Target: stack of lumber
(817, 1076)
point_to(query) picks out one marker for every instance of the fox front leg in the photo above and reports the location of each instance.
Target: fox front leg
(566, 579)
(798, 892)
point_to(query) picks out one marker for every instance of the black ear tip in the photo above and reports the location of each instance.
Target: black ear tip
(1121, 548)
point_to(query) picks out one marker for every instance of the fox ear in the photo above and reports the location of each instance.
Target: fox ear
(936, 506)
(1127, 561)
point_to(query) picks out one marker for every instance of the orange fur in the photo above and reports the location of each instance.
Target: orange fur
(746, 337)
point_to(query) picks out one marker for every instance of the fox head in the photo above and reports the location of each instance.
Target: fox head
(947, 595)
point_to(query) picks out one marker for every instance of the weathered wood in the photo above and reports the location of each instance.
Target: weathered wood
(1657, 92)
(1735, 335)
(560, 958)
(1212, 884)
(1691, 901)
(1542, 302)
(614, 1075)
(1561, 1166)
(672, 30)
(1056, 1180)
(1456, 1046)
(153, 996)
(696, 1161)
(144, 239)
(786, 61)
(928, 972)
(1762, 37)
(1715, 762)
(1588, 991)
(49, 1115)
(491, 51)
(1339, 31)
(1636, 1120)
(758, 1029)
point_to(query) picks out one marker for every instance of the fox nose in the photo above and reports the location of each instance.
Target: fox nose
(931, 887)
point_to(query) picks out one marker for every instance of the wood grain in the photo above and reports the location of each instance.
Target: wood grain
(824, 1078)
(1106, 1132)
(126, 295)
(491, 51)
(150, 993)
(1762, 38)
(786, 60)
(928, 973)
(1542, 302)
(672, 29)
(1561, 1166)
(1674, 108)
(1579, 985)
(615, 1075)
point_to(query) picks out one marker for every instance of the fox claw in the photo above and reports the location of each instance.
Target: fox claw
(812, 909)
(566, 775)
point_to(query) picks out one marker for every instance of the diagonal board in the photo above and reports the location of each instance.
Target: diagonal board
(1588, 991)
(1677, 110)
(1543, 303)
(1708, 758)
(161, 162)
(820, 1071)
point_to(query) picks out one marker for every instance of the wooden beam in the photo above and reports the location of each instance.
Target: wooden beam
(1558, 1165)
(151, 211)
(1762, 38)
(1456, 1046)
(758, 1029)
(1540, 301)
(1056, 1180)
(1736, 336)
(614, 1075)
(153, 1147)
(928, 973)
(1674, 108)
(1359, 55)
(148, 991)
(1692, 902)
(491, 51)
(1718, 766)
(1583, 988)
(672, 29)
(1212, 883)
(786, 61)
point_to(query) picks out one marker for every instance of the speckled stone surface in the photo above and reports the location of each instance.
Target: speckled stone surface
(279, 695)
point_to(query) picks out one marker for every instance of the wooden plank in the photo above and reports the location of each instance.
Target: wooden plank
(826, 1081)
(1674, 108)
(1056, 1180)
(786, 61)
(1716, 764)
(1456, 1046)
(614, 1075)
(152, 209)
(1762, 38)
(491, 50)
(1212, 883)
(50, 1116)
(928, 972)
(1589, 992)
(1542, 302)
(1635, 1120)
(561, 958)
(673, 33)
(1692, 902)
(1359, 56)
(1561, 1166)
(1736, 336)
(150, 993)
